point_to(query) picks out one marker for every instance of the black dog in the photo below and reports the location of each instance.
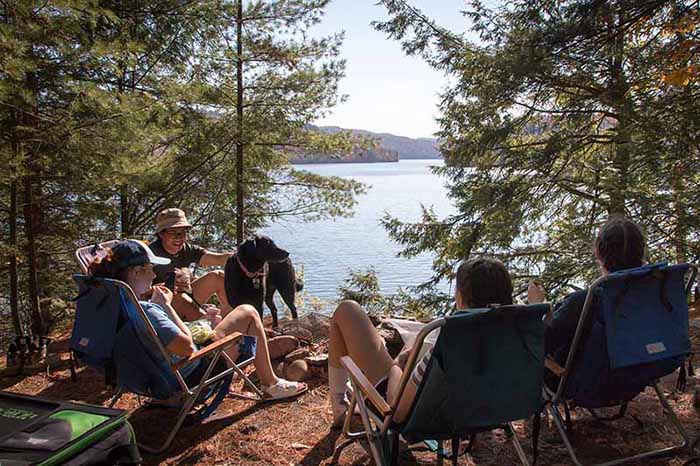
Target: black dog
(281, 277)
(245, 275)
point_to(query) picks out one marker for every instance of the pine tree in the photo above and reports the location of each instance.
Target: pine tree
(556, 119)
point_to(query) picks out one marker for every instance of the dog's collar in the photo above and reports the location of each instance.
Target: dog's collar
(248, 273)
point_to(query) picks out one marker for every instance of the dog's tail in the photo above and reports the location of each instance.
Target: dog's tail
(298, 284)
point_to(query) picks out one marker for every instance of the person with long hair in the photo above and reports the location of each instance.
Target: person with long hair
(619, 245)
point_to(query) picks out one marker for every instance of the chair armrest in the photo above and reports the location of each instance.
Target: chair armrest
(552, 365)
(218, 344)
(365, 386)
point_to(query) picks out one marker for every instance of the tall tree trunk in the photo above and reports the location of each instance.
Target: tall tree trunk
(30, 178)
(38, 323)
(680, 232)
(14, 188)
(621, 144)
(14, 275)
(124, 223)
(240, 233)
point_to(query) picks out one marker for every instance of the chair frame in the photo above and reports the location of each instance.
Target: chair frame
(555, 399)
(214, 350)
(376, 427)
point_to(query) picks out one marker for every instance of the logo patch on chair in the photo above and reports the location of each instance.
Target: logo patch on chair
(654, 348)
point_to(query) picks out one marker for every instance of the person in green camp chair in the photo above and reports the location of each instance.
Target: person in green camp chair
(480, 282)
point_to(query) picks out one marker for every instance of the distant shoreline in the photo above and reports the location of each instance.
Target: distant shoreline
(345, 161)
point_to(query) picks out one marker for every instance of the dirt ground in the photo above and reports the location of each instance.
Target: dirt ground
(297, 432)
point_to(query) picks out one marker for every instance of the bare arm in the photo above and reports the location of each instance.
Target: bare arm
(211, 259)
(181, 344)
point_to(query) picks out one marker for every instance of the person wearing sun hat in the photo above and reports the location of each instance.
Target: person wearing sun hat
(172, 229)
(132, 262)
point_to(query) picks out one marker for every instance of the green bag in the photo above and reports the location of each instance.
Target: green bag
(46, 433)
(486, 370)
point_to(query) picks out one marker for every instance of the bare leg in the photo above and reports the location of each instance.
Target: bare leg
(211, 283)
(353, 334)
(246, 320)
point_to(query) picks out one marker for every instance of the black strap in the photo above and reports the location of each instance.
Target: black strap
(664, 293)
(536, 425)
(691, 372)
(618, 300)
(567, 420)
(682, 380)
(455, 450)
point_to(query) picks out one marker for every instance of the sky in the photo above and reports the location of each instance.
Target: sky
(387, 91)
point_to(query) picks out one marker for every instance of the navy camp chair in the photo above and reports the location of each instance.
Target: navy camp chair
(485, 371)
(633, 330)
(112, 333)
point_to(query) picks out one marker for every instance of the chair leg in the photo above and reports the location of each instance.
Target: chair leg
(559, 422)
(668, 410)
(115, 398)
(516, 444)
(674, 419)
(184, 410)
(375, 443)
(338, 450)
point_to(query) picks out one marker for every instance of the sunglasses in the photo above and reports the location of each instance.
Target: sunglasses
(176, 233)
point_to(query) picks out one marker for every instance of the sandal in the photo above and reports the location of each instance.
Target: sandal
(283, 389)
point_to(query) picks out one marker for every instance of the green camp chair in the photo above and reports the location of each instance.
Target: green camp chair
(485, 371)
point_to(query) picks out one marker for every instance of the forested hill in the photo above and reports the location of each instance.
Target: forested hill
(390, 148)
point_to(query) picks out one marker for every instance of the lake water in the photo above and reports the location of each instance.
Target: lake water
(328, 249)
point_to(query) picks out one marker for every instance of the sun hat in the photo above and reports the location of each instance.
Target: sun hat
(131, 252)
(171, 218)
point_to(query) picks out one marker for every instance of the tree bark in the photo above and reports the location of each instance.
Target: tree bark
(38, 323)
(14, 275)
(621, 146)
(31, 214)
(240, 213)
(124, 223)
(14, 188)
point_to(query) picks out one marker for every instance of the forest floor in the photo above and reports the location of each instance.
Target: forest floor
(297, 432)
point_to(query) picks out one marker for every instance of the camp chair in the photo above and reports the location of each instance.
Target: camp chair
(87, 254)
(112, 332)
(638, 332)
(485, 371)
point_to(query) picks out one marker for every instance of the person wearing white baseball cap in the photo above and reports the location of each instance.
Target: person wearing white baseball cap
(132, 262)
(172, 230)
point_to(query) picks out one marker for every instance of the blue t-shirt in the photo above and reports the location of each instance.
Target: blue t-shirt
(166, 330)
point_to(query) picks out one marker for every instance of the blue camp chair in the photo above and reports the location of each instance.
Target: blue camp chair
(112, 332)
(485, 371)
(633, 329)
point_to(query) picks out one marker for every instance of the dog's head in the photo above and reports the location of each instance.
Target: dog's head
(254, 252)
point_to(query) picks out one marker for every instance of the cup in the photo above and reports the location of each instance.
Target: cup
(213, 314)
(183, 278)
